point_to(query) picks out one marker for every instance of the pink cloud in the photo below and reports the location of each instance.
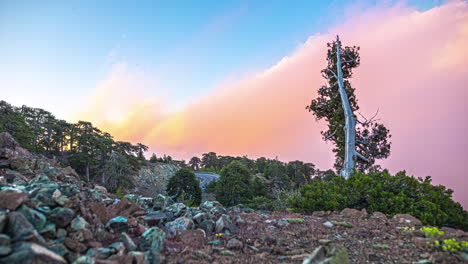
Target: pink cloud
(413, 67)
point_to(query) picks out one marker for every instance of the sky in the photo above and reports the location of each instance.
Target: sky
(234, 77)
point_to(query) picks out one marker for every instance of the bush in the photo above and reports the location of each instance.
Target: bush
(262, 203)
(185, 185)
(234, 185)
(379, 191)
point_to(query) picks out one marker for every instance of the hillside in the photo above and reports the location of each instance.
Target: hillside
(48, 215)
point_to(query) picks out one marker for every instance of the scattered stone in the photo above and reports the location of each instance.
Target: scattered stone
(328, 224)
(379, 215)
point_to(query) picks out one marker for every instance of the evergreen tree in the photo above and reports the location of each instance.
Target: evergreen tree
(185, 185)
(369, 139)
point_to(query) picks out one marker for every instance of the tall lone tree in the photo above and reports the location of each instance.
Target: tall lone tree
(358, 143)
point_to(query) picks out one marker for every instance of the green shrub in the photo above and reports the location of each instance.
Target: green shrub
(185, 185)
(382, 192)
(234, 185)
(262, 203)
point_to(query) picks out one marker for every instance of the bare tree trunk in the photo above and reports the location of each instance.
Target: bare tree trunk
(87, 172)
(350, 122)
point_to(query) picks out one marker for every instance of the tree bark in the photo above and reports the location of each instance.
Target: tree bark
(350, 122)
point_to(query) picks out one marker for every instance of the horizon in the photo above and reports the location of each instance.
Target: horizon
(234, 78)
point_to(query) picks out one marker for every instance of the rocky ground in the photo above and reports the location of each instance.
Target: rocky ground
(47, 215)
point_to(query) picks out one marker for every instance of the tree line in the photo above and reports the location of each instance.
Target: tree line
(90, 151)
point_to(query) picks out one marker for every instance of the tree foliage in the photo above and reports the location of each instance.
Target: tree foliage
(234, 185)
(185, 186)
(90, 151)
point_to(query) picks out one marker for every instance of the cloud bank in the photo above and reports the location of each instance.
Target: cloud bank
(413, 68)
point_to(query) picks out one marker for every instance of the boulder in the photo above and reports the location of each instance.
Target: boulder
(181, 223)
(79, 223)
(5, 247)
(225, 223)
(155, 218)
(128, 242)
(208, 226)
(328, 255)
(12, 198)
(19, 228)
(152, 238)
(32, 253)
(118, 224)
(208, 205)
(61, 217)
(353, 213)
(234, 244)
(406, 220)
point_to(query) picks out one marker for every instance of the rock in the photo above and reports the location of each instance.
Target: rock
(407, 220)
(74, 245)
(33, 253)
(160, 202)
(328, 224)
(177, 209)
(379, 215)
(128, 242)
(353, 213)
(19, 228)
(5, 247)
(3, 220)
(84, 260)
(101, 189)
(218, 210)
(78, 223)
(200, 217)
(208, 205)
(155, 218)
(152, 238)
(12, 198)
(136, 257)
(234, 244)
(43, 197)
(37, 219)
(118, 224)
(224, 223)
(208, 226)
(3, 181)
(100, 253)
(181, 223)
(61, 217)
(9, 148)
(328, 255)
(214, 242)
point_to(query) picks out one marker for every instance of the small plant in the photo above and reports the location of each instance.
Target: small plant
(431, 231)
(450, 245)
(294, 220)
(119, 192)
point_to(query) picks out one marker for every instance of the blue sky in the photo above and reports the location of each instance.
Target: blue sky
(53, 53)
